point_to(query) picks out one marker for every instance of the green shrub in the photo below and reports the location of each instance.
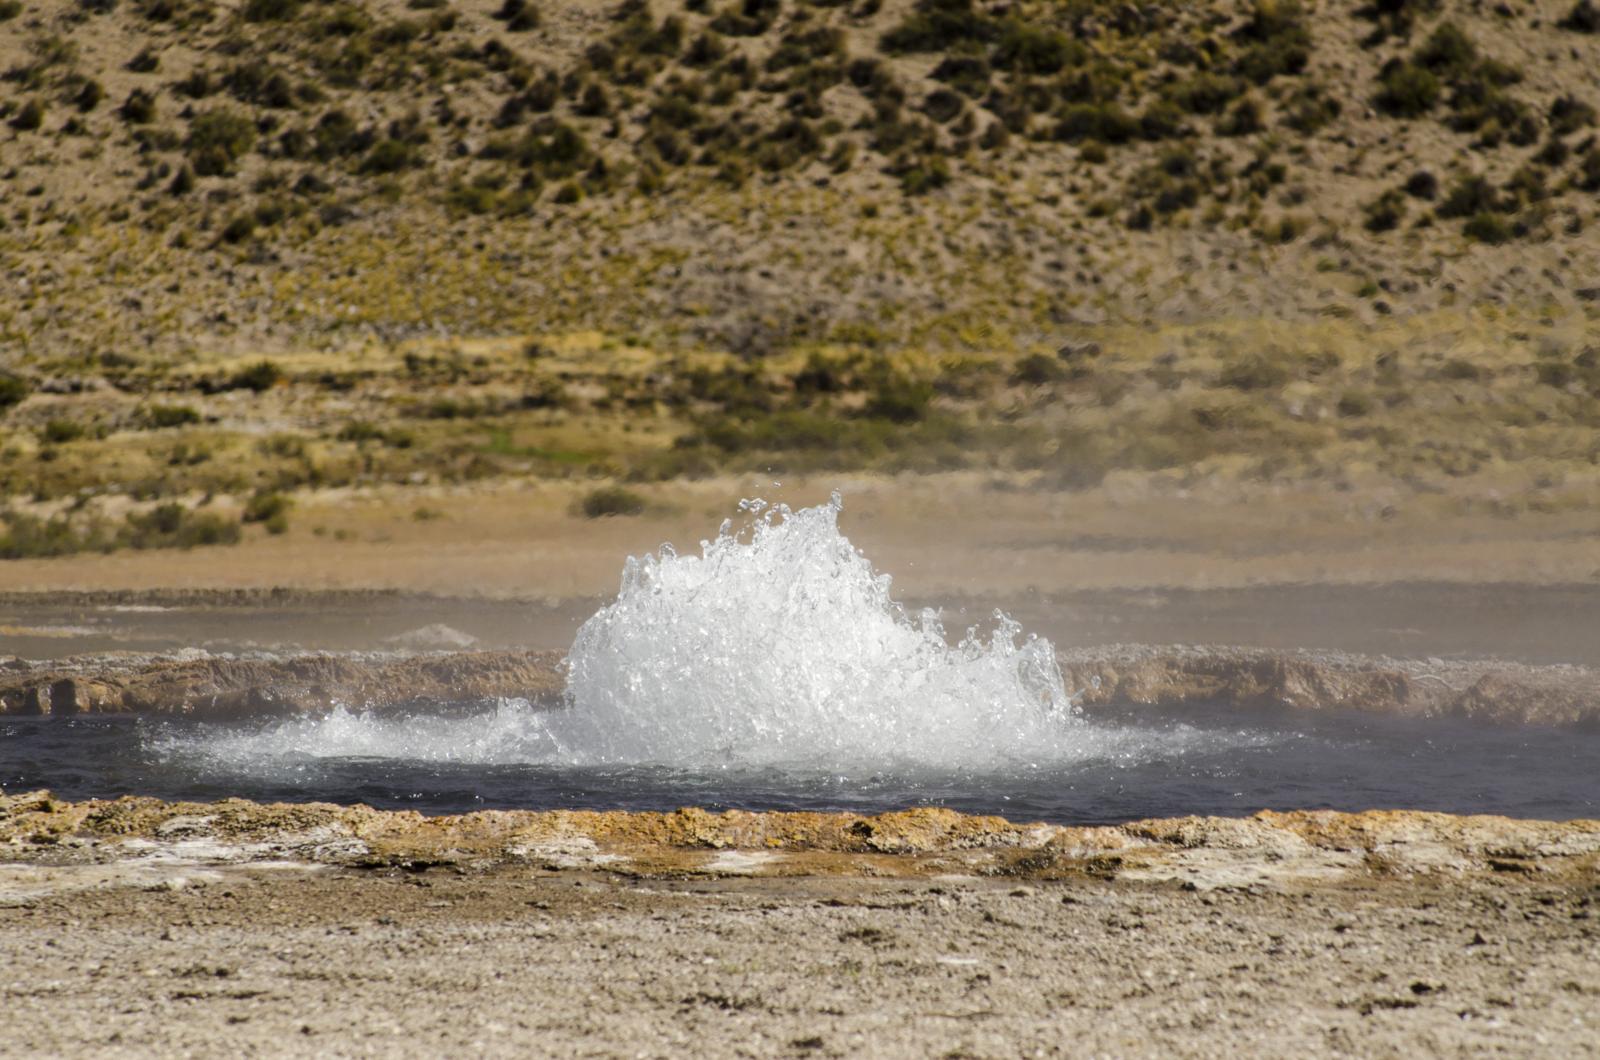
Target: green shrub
(1205, 93)
(1470, 196)
(260, 376)
(1487, 228)
(239, 228)
(1106, 123)
(1448, 50)
(60, 431)
(1353, 403)
(29, 117)
(88, 96)
(389, 156)
(217, 140)
(1583, 18)
(269, 508)
(1408, 90)
(939, 25)
(1568, 114)
(1244, 118)
(1027, 49)
(518, 15)
(1385, 213)
(174, 526)
(611, 500)
(1309, 109)
(1422, 185)
(1038, 369)
(28, 537)
(10, 9)
(162, 417)
(269, 10)
(1255, 372)
(13, 388)
(1588, 177)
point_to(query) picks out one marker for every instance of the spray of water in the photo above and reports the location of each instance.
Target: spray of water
(779, 643)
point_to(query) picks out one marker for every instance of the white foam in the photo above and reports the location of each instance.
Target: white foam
(782, 644)
(778, 645)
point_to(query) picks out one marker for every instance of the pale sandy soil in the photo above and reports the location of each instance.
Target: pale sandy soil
(940, 536)
(151, 930)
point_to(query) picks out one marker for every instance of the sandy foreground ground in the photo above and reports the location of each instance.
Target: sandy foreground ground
(145, 929)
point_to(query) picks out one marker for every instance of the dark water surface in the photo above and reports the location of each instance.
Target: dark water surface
(1219, 761)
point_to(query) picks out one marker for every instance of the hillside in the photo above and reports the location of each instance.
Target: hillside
(253, 249)
(181, 174)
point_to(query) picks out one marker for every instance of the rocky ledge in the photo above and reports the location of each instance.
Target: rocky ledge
(1106, 678)
(1271, 850)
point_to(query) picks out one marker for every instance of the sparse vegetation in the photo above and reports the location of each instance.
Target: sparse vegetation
(611, 500)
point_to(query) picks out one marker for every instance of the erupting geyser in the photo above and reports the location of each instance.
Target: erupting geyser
(781, 644)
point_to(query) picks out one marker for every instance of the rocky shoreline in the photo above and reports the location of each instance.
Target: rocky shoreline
(1106, 679)
(1267, 850)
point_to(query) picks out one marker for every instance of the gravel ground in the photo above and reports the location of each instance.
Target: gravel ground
(271, 961)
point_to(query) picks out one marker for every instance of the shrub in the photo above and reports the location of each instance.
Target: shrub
(162, 417)
(139, 108)
(1038, 369)
(1245, 118)
(1408, 90)
(751, 18)
(1106, 122)
(239, 228)
(13, 388)
(29, 117)
(1583, 18)
(60, 431)
(943, 105)
(217, 140)
(1422, 185)
(1568, 114)
(174, 526)
(518, 15)
(1448, 50)
(1471, 195)
(930, 174)
(1589, 170)
(1353, 403)
(1385, 213)
(266, 507)
(270, 10)
(1309, 109)
(1487, 228)
(146, 62)
(1257, 372)
(939, 25)
(88, 96)
(611, 500)
(1206, 93)
(1027, 49)
(389, 156)
(10, 9)
(263, 375)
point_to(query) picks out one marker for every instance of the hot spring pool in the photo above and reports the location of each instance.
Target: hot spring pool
(774, 671)
(1215, 761)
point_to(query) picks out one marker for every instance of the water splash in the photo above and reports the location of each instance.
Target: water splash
(780, 643)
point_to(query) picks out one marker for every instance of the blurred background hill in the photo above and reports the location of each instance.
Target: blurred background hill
(255, 254)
